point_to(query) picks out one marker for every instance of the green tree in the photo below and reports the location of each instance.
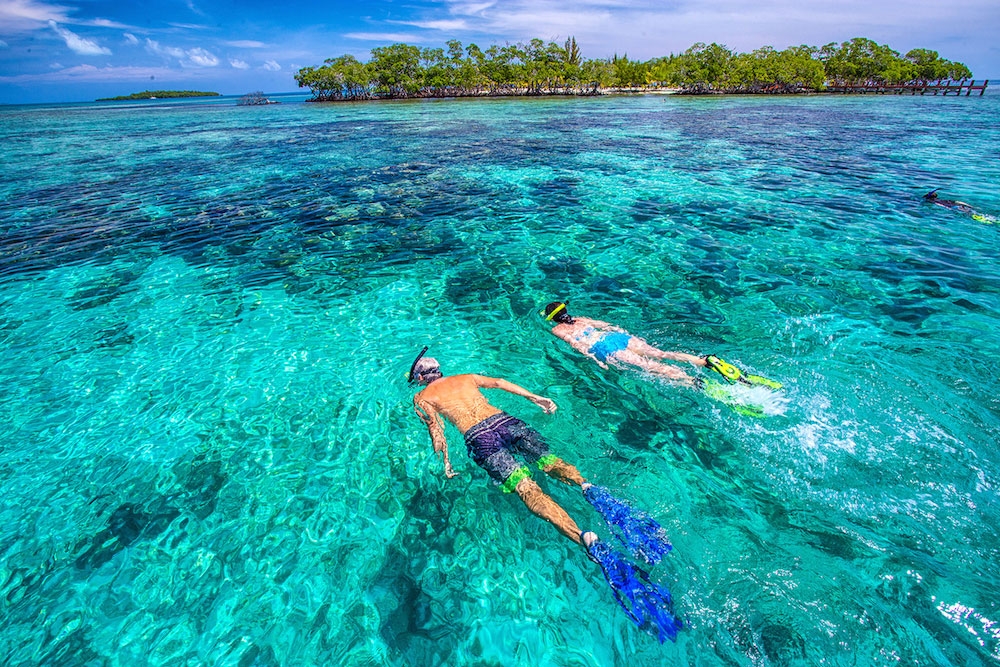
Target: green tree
(705, 65)
(664, 69)
(470, 76)
(500, 65)
(438, 72)
(629, 73)
(862, 60)
(597, 73)
(572, 59)
(929, 66)
(571, 52)
(395, 69)
(958, 71)
(339, 78)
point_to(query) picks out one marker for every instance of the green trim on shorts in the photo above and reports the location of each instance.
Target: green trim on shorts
(515, 478)
(547, 460)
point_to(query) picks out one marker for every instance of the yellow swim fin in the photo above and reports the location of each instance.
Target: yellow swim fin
(722, 393)
(761, 381)
(733, 374)
(723, 368)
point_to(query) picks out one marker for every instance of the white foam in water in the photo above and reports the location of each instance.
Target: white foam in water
(773, 402)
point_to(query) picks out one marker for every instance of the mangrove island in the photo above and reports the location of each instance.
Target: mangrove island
(402, 71)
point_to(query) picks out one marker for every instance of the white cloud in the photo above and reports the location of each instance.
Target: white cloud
(131, 39)
(383, 36)
(246, 44)
(77, 44)
(648, 28)
(197, 56)
(25, 15)
(89, 73)
(154, 47)
(17, 16)
(202, 58)
(470, 8)
(238, 64)
(103, 23)
(272, 66)
(448, 24)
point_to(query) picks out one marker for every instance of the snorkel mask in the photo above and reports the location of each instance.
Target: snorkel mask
(558, 313)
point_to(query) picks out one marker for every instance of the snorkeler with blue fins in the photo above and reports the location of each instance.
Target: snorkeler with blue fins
(959, 206)
(610, 345)
(493, 438)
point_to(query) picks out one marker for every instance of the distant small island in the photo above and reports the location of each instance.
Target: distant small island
(157, 95)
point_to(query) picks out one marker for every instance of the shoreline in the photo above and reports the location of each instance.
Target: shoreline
(831, 91)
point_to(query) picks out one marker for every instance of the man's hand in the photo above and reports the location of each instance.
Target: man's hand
(449, 472)
(546, 404)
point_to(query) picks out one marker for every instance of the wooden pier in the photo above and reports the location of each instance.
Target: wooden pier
(941, 86)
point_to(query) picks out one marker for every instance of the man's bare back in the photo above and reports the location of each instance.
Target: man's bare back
(458, 399)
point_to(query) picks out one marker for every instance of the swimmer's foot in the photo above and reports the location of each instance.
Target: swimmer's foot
(589, 539)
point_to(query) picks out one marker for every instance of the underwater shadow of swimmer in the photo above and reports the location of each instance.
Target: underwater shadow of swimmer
(126, 525)
(419, 626)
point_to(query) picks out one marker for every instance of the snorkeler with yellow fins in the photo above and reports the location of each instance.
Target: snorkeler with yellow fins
(959, 206)
(611, 345)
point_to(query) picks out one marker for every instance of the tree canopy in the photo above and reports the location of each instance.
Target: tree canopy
(540, 68)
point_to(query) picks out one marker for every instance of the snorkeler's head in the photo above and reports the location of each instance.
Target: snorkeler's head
(557, 312)
(426, 370)
(932, 195)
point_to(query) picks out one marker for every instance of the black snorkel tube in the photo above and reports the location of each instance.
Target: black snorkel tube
(413, 366)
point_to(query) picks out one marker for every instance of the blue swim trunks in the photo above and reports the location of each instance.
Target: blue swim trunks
(608, 344)
(492, 443)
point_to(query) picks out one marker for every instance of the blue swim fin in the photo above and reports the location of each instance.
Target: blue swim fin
(638, 531)
(647, 603)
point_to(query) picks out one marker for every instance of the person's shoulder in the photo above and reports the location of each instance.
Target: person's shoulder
(484, 381)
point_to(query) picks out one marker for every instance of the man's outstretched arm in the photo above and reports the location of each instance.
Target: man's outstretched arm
(435, 426)
(546, 404)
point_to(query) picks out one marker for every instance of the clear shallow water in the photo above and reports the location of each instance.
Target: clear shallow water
(206, 313)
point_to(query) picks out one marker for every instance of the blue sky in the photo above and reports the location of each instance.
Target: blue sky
(78, 50)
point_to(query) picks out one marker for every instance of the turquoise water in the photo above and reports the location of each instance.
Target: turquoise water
(210, 456)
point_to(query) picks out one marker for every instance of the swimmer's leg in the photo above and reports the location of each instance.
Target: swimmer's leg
(543, 506)
(664, 370)
(644, 349)
(529, 443)
(555, 467)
